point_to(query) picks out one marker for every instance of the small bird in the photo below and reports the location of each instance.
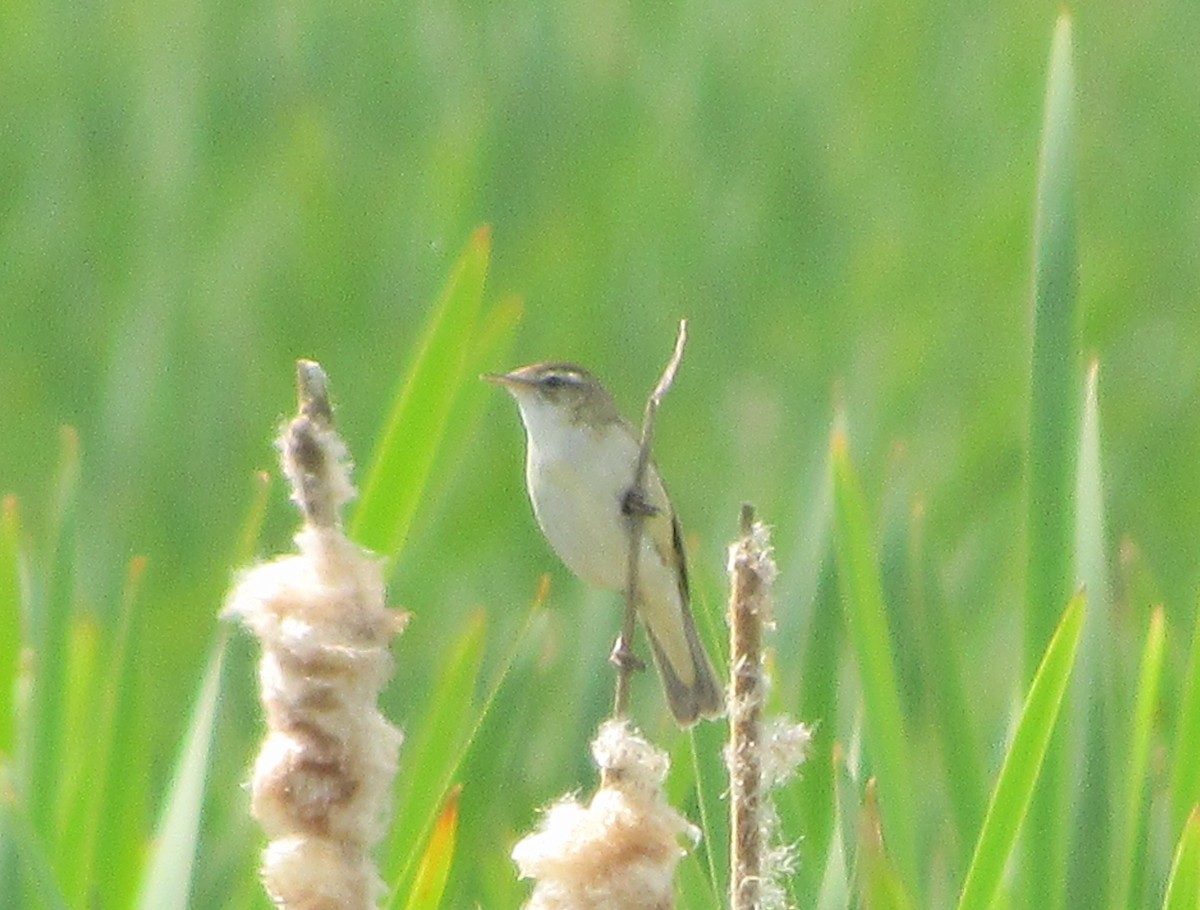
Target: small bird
(579, 468)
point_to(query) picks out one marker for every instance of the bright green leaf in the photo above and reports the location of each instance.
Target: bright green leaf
(412, 438)
(1053, 366)
(167, 882)
(11, 608)
(1091, 698)
(1183, 885)
(1018, 776)
(835, 892)
(429, 756)
(26, 879)
(1185, 761)
(1052, 423)
(704, 743)
(1130, 862)
(866, 621)
(434, 867)
(879, 882)
(469, 752)
(49, 622)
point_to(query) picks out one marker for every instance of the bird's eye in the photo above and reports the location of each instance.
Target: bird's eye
(554, 381)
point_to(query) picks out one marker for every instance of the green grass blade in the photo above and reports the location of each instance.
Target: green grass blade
(246, 548)
(463, 757)
(693, 883)
(705, 743)
(808, 643)
(81, 695)
(954, 724)
(50, 623)
(810, 807)
(1183, 885)
(497, 330)
(1091, 565)
(404, 457)
(1053, 362)
(879, 882)
(491, 765)
(834, 892)
(427, 760)
(1014, 788)
(1129, 864)
(167, 881)
(862, 599)
(1091, 697)
(99, 811)
(130, 785)
(1053, 370)
(11, 623)
(26, 879)
(1185, 770)
(434, 868)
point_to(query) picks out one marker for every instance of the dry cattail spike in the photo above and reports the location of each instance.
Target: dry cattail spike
(322, 782)
(762, 753)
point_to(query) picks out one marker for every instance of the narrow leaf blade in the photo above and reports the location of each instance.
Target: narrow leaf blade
(880, 883)
(11, 609)
(434, 868)
(49, 622)
(1185, 769)
(401, 883)
(405, 455)
(429, 757)
(26, 879)
(1131, 856)
(1053, 359)
(1053, 383)
(167, 881)
(862, 599)
(1018, 776)
(1092, 695)
(1183, 885)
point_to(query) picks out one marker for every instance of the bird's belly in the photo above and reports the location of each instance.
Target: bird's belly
(582, 520)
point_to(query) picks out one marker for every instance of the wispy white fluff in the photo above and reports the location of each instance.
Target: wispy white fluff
(620, 851)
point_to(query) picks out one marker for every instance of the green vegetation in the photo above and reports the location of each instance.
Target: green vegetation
(942, 335)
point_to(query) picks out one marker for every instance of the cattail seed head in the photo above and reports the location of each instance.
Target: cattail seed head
(620, 851)
(322, 780)
(762, 753)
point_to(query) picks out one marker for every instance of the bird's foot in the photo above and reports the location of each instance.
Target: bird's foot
(623, 658)
(635, 502)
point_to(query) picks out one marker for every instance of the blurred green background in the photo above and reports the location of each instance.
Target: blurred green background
(838, 197)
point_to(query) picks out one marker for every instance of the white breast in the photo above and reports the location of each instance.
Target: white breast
(577, 479)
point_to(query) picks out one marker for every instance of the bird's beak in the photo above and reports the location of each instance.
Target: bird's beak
(509, 380)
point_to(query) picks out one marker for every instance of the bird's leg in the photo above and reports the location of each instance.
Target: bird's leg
(635, 506)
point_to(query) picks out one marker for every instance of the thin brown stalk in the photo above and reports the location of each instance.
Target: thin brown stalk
(745, 717)
(764, 752)
(623, 655)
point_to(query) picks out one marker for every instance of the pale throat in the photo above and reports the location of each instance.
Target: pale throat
(578, 476)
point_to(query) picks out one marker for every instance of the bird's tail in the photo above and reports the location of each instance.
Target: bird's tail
(703, 697)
